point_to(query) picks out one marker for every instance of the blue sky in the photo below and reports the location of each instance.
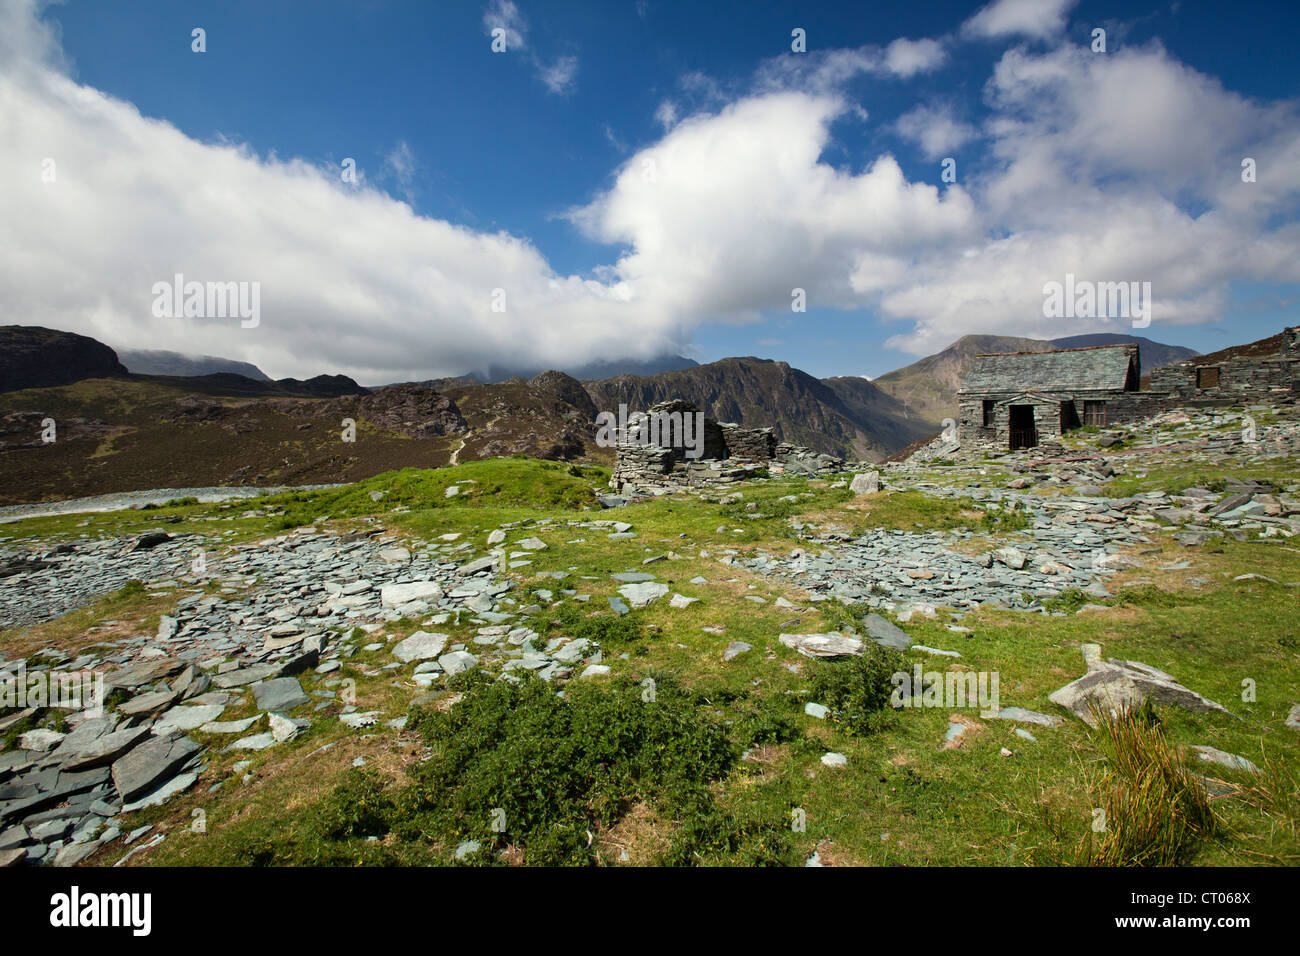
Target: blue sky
(532, 158)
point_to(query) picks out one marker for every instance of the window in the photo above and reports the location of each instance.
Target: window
(988, 413)
(1207, 377)
(1094, 413)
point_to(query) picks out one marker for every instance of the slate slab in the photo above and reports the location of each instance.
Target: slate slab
(885, 633)
(280, 694)
(150, 764)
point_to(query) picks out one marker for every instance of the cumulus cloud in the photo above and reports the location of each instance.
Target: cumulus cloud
(1040, 19)
(1118, 168)
(935, 130)
(730, 212)
(351, 279)
(906, 58)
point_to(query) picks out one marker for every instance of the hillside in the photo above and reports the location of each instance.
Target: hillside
(548, 416)
(928, 387)
(35, 357)
(847, 417)
(122, 434)
(142, 432)
(160, 362)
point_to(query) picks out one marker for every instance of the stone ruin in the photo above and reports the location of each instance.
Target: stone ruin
(728, 453)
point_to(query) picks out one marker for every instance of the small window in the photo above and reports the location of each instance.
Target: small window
(1094, 413)
(1207, 377)
(988, 413)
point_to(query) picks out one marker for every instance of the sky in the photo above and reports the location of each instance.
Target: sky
(632, 179)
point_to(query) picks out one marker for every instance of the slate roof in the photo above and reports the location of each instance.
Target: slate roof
(1087, 369)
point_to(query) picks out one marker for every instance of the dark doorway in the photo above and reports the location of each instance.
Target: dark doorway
(1069, 417)
(1023, 433)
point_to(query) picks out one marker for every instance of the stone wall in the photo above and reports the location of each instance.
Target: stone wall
(756, 443)
(731, 453)
(1241, 381)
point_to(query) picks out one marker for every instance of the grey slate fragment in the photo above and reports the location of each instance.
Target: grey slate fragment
(150, 764)
(885, 633)
(280, 694)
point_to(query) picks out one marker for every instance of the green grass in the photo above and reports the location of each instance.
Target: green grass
(900, 800)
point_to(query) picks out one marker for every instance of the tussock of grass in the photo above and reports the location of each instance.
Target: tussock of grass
(1155, 806)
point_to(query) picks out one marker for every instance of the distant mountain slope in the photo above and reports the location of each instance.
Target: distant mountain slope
(1152, 354)
(592, 371)
(548, 416)
(160, 362)
(848, 417)
(1257, 349)
(35, 357)
(928, 387)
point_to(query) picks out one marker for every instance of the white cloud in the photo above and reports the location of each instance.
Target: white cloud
(730, 212)
(826, 71)
(934, 129)
(1040, 19)
(399, 163)
(505, 15)
(907, 58)
(561, 76)
(1095, 164)
(351, 279)
(666, 114)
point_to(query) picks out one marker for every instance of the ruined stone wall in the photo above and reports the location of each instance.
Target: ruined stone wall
(758, 444)
(731, 453)
(1241, 381)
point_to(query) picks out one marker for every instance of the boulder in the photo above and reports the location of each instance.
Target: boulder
(456, 662)
(643, 593)
(1116, 685)
(866, 483)
(420, 646)
(833, 644)
(1013, 558)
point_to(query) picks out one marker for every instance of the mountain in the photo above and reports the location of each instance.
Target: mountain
(550, 415)
(849, 417)
(928, 388)
(160, 362)
(1152, 354)
(591, 371)
(35, 357)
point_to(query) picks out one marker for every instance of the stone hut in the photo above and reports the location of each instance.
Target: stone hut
(1022, 399)
(729, 453)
